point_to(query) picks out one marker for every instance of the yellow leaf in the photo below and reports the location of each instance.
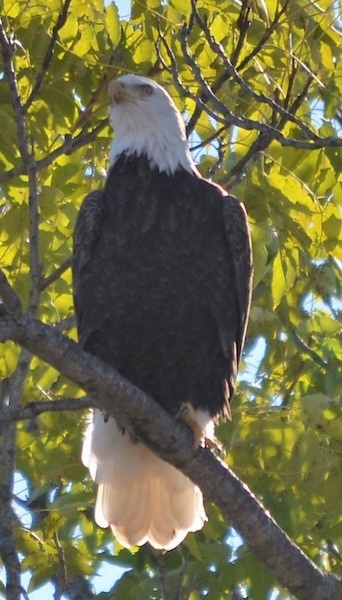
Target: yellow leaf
(113, 24)
(279, 285)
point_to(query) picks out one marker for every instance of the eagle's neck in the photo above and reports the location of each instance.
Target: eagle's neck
(162, 141)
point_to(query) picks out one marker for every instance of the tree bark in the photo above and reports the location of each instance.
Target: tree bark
(172, 441)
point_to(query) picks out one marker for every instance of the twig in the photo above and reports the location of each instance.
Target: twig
(158, 561)
(56, 274)
(61, 578)
(62, 17)
(243, 25)
(196, 115)
(69, 146)
(232, 72)
(265, 37)
(34, 409)
(302, 345)
(221, 114)
(16, 381)
(305, 348)
(235, 174)
(208, 140)
(300, 98)
(36, 271)
(7, 54)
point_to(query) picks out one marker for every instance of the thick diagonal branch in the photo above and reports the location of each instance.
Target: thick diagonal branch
(172, 442)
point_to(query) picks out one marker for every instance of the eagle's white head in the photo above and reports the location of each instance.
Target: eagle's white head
(146, 121)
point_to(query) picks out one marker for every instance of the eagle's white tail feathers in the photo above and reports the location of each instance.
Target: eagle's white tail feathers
(141, 497)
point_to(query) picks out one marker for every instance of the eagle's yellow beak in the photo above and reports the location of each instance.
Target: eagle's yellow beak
(119, 92)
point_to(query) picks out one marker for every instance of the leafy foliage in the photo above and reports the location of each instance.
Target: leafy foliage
(276, 71)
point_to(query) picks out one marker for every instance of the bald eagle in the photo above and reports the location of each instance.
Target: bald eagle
(162, 279)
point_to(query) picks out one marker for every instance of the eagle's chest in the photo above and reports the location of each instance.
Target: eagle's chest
(155, 239)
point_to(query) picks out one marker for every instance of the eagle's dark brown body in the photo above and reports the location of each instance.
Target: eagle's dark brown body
(162, 272)
(162, 278)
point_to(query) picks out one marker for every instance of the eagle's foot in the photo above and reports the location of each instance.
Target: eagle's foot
(187, 415)
(105, 415)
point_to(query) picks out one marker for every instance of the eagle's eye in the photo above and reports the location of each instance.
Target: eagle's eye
(146, 89)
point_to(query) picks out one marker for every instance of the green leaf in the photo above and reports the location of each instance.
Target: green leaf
(113, 24)
(279, 283)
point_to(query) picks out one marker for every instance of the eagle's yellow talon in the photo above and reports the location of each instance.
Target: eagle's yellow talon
(187, 415)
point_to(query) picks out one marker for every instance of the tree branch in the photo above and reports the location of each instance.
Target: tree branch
(303, 347)
(172, 441)
(61, 578)
(7, 518)
(265, 37)
(70, 145)
(62, 17)
(34, 409)
(243, 24)
(220, 112)
(28, 159)
(17, 379)
(244, 86)
(158, 561)
(56, 274)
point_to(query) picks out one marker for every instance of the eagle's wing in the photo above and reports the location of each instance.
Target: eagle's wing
(86, 234)
(238, 237)
(231, 302)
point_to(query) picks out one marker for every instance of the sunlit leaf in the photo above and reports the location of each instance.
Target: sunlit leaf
(113, 24)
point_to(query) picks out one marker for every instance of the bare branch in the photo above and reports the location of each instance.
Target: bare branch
(34, 409)
(56, 274)
(7, 518)
(216, 86)
(62, 17)
(265, 37)
(70, 145)
(16, 381)
(62, 573)
(243, 24)
(220, 112)
(307, 350)
(208, 140)
(29, 163)
(300, 98)
(172, 441)
(234, 75)
(158, 561)
(235, 174)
